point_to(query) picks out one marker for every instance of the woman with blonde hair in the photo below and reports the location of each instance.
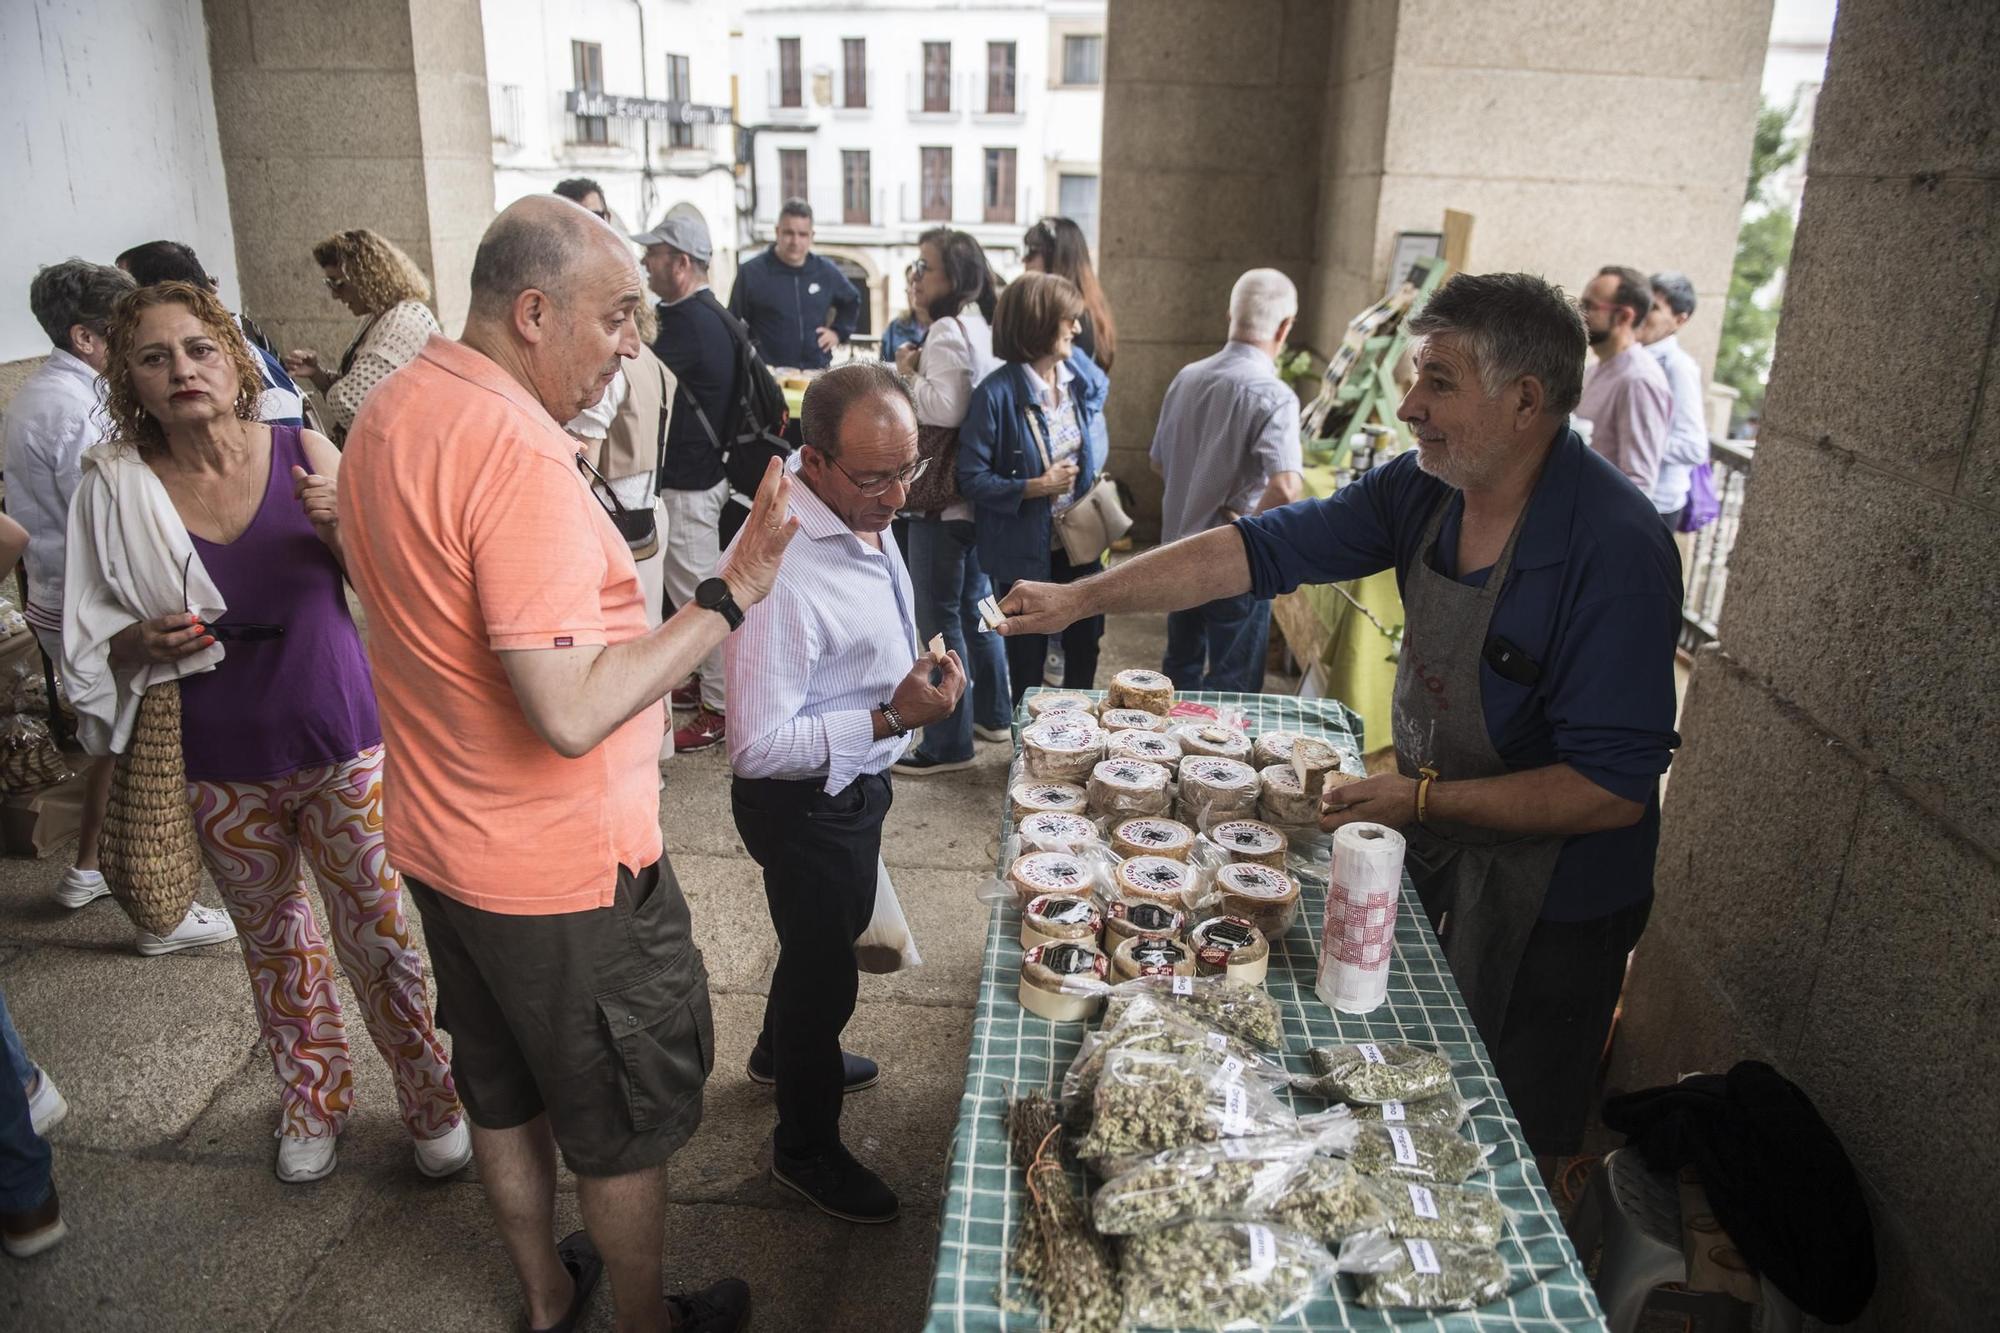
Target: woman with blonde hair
(205, 548)
(374, 279)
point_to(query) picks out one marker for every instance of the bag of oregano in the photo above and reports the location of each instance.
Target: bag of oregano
(1236, 1180)
(1447, 1110)
(1440, 1212)
(1423, 1274)
(1147, 1103)
(1409, 1152)
(1149, 1024)
(1220, 1275)
(1375, 1072)
(1245, 1012)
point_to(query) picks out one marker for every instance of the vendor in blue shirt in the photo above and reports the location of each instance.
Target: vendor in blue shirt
(1534, 703)
(798, 305)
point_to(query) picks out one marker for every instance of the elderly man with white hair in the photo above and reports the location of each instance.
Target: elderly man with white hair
(1228, 445)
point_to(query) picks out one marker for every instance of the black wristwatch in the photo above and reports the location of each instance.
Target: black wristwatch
(713, 595)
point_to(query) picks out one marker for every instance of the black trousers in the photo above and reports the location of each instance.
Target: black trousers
(1558, 1016)
(1027, 654)
(819, 854)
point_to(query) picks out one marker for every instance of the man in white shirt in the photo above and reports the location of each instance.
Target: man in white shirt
(1687, 433)
(826, 682)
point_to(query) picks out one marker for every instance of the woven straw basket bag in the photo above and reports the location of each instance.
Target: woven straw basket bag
(149, 854)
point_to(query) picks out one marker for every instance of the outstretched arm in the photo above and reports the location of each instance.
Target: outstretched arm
(1187, 573)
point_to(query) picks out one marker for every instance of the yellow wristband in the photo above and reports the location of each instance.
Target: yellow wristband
(1424, 793)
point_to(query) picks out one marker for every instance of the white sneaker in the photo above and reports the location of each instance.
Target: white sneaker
(993, 733)
(447, 1154)
(80, 888)
(202, 925)
(301, 1159)
(46, 1104)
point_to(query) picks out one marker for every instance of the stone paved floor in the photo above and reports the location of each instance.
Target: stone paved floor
(164, 1163)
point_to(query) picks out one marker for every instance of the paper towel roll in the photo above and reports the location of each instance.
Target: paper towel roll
(1359, 935)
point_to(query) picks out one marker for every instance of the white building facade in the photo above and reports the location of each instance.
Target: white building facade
(891, 117)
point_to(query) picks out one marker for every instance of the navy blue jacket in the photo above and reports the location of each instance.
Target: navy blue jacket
(786, 307)
(997, 458)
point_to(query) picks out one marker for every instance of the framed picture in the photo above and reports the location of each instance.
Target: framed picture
(1410, 247)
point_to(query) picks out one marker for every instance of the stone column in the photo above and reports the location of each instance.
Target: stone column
(1830, 861)
(371, 114)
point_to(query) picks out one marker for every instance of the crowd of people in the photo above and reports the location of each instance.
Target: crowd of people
(535, 517)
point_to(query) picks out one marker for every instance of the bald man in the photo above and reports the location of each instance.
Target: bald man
(520, 693)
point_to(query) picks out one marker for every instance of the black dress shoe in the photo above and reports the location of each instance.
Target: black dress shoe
(585, 1267)
(837, 1185)
(857, 1071)
(721, 1308)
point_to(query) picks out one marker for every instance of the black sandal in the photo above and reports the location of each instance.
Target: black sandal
(585, 1266)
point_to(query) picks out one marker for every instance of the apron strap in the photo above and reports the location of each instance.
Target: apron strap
(1501, 566)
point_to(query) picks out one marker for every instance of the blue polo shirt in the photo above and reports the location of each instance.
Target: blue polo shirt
(1594, 598)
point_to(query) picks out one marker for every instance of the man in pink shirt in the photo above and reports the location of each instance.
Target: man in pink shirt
(1627, 407)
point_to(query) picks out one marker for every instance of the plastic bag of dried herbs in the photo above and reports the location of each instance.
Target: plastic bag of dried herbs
(1236, 1180)
(1147, 1103)
(1375, 1072)
(1408, 1152)
(1245, 1012)
(1329, 1199)
(1411, 1210)
(1220, 1275)
(1151, 1024)
(1423, 1274)
(1447, 1110)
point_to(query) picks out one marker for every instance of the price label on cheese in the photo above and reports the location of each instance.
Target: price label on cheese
(1183, 985)
(1422, 1257)
(1423, 1202)
(1235, 1110)
(1405, 1146)
(1232, 1069)
(1392, 1113)
(1264, 1252)
(1216, 1040)
(1371, 1053)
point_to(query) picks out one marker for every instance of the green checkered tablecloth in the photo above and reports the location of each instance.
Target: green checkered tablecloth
(1014, 1051)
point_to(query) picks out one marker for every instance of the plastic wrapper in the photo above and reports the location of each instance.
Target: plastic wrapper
(1268, 897)
(1231, 947)
(1238, 1181)
(1030, 873)
(1063, 981)
(1115, 720)
(1408, 1152)
(1161, 878)
(1160, 955)
(29, 759)
(1410, 1209)
(1027, 795)
(1205, 1002)
(1146, 1102)
(1059, 700)
(1376, 1072)
(1126, 916)
(1416, 1274)
(1211, 738)
(1220, 1275)
(1282, 801)
(1213, 789)
(1155, 747)
(1447, 1110)
(1060, 916)
(1055, 831)
(1154, 1026)
(1062, 749)
(1120, 787)
(1151, 837)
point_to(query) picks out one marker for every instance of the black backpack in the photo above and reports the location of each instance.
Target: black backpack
(754, 432)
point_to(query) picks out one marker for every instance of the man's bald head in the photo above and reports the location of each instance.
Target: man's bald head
(543, 242)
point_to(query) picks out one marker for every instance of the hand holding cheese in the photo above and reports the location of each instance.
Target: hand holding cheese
(918, 701)
(1385, 798)
(1039, 608)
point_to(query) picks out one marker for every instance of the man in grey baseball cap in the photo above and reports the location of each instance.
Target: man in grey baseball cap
(698, 344)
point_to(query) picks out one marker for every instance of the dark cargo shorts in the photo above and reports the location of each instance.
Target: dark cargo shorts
(600, 1018)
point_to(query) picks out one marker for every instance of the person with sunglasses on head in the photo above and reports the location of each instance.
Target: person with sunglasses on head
(366, 272)
(205, 547)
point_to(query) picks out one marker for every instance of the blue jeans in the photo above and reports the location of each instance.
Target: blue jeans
(948, 583)
(24, 1156)
(1229, 634)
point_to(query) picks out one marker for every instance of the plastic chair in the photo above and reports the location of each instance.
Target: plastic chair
(1636, 1214)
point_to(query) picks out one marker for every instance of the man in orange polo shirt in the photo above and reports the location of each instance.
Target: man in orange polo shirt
(520, 695)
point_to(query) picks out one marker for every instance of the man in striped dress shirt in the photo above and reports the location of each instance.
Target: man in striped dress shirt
(825, 682)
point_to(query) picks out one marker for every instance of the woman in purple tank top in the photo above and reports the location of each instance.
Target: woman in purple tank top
(284, 753)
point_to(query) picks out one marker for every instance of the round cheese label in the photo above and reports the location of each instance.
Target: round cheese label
(1155, 874)
(1255, 881)
(1132, 719)
(1131, 774)
(1060, 909)
(1066, 959)
(1049, 703)
(1154, 955)
(1050, 796)
(1246, 836)
(1064, 735)
(1152, 833)
(1284, 779)
(1148, 745)
(1045, 827)
(1137, 678)
(1051, 871)
(1213, 771)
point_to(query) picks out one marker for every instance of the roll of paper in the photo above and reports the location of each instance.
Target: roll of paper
(1359, 935)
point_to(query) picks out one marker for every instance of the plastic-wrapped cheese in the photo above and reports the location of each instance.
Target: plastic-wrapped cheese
(1215, 789)
(1064, 797)
(1156, 877)
(1063, 981)
(1232, 948)
(1260, 894)
(1139, 688)
(1127, 917)
(1151, 837)
(1284, 802)
(1038, 873)
(1065, 749)
(1115, 720)
(1073, 716)
(1060, 916)
(1312, 757)
(1249, 840)
(1211, 738)
(1155, 747)
(1054, 831)
(1050, 701)
(1151, 956)
(1130, 787)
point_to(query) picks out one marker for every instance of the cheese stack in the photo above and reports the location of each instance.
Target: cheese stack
(1248, 840)
(1130, 787)
(1038, 873)
(1151, 837)
(1216, 789)
(1157, 878)
(1232, 948)
(1026, 798)
(1266, 897)
(1151, 956)
(1063, 981)
(1131, 719)
(1311, 757)
(1064, 749)
(1051, 701)
(1284, 802)
(1152, 746)
(1060, 916)
(1127, 917)
(1055, 831)
(1211, 738)
(1139, 688)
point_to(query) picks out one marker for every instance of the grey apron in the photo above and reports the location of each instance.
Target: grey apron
(1491, 884)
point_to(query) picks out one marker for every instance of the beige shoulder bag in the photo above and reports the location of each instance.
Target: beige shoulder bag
(1087, 528)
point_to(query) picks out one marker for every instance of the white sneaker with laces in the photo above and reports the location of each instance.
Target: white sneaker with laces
(447, 1154)
(302, 1159)
(202, 925)
(80, 888)
(46, 1104)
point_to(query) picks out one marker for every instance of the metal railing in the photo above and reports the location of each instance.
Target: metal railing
(1708, 566)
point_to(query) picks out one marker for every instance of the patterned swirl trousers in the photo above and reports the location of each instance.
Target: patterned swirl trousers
(259, 839)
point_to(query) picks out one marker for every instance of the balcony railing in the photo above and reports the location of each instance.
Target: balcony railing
(1708, 568)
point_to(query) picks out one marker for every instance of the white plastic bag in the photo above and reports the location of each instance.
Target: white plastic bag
(887, 945)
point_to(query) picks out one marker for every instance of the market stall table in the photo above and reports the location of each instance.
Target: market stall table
(1014, 1052)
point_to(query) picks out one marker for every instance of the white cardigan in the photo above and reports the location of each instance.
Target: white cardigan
(126, 552)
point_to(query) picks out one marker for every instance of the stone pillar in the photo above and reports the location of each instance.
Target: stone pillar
(1830, 859)
(370, 114)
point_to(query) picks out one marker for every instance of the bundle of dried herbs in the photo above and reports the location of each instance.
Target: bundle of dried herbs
(1149, 1024)
(1237, 1180)
(1147, 1103)
(1220, 1275)
(1408, 1152)
(1207, 1002)
(1440, 1212)
(1330, 1200)
(1372, 1072)
(1423, 1274)
(1057, 1255)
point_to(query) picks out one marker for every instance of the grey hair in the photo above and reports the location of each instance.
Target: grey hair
(1675, 289)
(521, 251)
(1514, 325)
(74, 292)
(830, 397)
(795, 208)
(1261, 300)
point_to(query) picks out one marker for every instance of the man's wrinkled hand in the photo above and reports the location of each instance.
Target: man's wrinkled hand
(1038, 608)
(919, 701)
(1386, 798)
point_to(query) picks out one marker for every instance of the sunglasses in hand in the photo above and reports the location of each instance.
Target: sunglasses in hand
(243, 631)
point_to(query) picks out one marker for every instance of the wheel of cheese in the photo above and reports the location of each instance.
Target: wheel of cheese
(1215, 789)
(1232, 948)
(1312, 757)
(1026, 798)
(1128, 916)
(1267, 897)
(1139, 688)
(1151, 956)
(1051, 700)
(1159, 878)
(1155, 747)
(1130, 787)
(1249, 840)
(1064, 749)
(1282, 801)
(1060, 916)
(1115, 720)
(1152, 837)
(1054, 831)
(1038, 873)
(1063, 981)
(1073, 716)
(1211, 738)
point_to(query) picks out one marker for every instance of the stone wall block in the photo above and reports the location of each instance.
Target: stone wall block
(1254, 218)
(1195, 42)
(1979, 479)
(1698, 38)
(1910, 87)
(350, 36)
(1676, 1020)
(290, 111)
(1160, 126)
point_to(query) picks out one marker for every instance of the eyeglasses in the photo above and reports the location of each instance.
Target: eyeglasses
(881, 486)
(335, 284)
(248, 631)
(918, 269)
